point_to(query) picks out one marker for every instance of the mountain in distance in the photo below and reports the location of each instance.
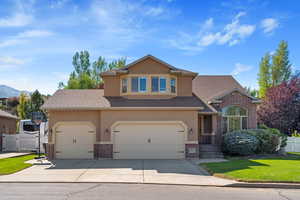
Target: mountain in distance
(6, 92)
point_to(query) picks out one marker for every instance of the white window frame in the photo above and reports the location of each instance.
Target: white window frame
(236, 116)
(166, 88)
(122, 85)
(139, 85)
(175, 85)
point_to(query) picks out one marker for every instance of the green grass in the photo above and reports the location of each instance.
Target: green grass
(12, 165)
(276, 169)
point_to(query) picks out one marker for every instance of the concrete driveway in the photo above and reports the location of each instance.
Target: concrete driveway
(118, 171)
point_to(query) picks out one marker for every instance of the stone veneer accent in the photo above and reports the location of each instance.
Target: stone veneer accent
(103, 151)
(192, 155)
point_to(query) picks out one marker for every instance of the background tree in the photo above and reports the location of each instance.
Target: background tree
(281, 67)
(264, 75)
(273, 74)
(36, 101)
(23, 108)
(281, 107)
(252, 92)
(85, 77)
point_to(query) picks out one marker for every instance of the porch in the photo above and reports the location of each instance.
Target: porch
(209, 138)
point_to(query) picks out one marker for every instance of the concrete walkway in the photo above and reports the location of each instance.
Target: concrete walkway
(12, 154)
(181, 172)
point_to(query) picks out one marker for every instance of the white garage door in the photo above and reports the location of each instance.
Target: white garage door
(74, 141)
(149, 141)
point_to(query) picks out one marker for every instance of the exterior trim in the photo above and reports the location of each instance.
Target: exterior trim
(104, 142)
(128, 108)
(191, 142)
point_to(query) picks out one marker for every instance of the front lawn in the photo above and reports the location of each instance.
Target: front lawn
(15, 164)
(276, 169)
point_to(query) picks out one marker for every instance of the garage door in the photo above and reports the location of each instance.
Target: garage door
(74, 141)
(149, 141)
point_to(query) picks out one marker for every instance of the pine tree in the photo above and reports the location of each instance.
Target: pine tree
(281, 66)
(264, 75)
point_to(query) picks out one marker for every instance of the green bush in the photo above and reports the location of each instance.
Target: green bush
(239, 143)
(268, 141)
(283, 137)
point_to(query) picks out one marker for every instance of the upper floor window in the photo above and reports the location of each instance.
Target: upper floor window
(173, 85)
(148, 84)
(138, 84)
(162, 84)
(124, 85)
(234, 118)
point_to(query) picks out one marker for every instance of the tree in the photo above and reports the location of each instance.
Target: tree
(36, 101)
(264, 76)
(23, 108)
(281, 107)
(252, 92)
(281, 66)
(83, 77)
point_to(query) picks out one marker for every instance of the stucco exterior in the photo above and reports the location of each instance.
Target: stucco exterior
(8, 125)
(109, 107)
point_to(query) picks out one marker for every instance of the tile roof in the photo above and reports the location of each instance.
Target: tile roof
(209, 87)
(7, 115)
(95, 100)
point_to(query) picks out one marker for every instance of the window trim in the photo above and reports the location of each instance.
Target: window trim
(175, 85)
(241, 117)
(148, 92)
(122, 85)
(139, 84)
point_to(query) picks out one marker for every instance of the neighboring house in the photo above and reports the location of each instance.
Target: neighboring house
(8, 124)
(147, 110)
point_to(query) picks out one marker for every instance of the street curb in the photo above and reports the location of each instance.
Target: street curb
(234, 185)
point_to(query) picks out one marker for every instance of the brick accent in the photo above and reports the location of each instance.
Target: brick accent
(50, 151)
(190, 147)
(103, 151)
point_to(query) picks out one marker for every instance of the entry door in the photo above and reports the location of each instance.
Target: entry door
(74, 141)
(149, 141)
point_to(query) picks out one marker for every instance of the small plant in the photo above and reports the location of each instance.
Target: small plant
(296, 134)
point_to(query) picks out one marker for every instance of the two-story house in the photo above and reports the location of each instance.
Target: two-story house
(147, 110)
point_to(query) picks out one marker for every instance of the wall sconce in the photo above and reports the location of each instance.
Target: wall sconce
(106, 131)
(50, 131)
(191, 131)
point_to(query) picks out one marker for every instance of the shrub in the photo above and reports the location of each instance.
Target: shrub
(283, 137)
(240, 143)
(268, 141)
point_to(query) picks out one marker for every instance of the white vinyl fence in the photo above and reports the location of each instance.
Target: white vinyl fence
(25, 141)
(293, 144)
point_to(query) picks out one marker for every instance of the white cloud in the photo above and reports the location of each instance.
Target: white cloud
(34, 33)
(232, 34)
(154, 11)
(8, 63)
(18, 20)
(239, 68)
(23, 37)
(269, 25)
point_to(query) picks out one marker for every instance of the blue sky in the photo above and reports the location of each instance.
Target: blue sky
(39, 37)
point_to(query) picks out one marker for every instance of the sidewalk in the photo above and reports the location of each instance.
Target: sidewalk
(11, 154)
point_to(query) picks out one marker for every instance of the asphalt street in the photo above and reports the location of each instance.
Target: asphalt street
(91, 191)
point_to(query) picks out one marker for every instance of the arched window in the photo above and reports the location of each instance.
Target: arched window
(234, 118)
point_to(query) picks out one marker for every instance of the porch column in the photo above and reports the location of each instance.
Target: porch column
(214, 128)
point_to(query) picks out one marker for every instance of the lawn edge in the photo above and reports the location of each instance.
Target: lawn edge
(220, 175)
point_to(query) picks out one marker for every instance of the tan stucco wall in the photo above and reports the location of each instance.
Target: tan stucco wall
(149, 66)
(67, 116)
(108, 118)
(184, 86)
(8, 125)
(111, 85)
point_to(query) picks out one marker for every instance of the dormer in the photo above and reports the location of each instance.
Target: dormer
(148, 77)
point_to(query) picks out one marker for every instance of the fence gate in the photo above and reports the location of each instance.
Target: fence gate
(9, 142)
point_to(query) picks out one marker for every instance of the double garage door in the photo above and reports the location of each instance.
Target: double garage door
(149, 141)
(130, 141)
